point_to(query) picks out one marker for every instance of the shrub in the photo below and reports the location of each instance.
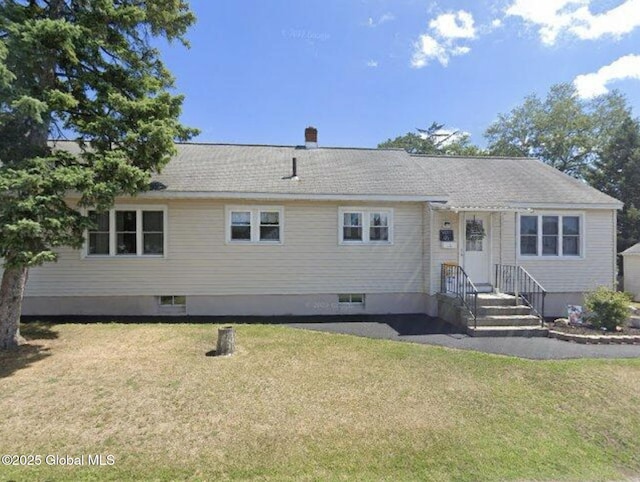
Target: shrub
(607, 308)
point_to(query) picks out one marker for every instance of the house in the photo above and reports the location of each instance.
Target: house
(631, 265)
(311, 230)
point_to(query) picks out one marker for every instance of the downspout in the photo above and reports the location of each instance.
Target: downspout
(430, 248)
(424, 271)
(501, 236)
(615, 249)
(498, 279)
(515, 252)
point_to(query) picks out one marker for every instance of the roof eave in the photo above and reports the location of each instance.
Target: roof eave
(267, 196)
(538, 205)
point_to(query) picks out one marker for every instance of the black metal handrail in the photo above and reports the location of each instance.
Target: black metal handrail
(454, 280)
(515, 280)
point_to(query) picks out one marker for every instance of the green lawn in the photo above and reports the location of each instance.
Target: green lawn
(301, 405)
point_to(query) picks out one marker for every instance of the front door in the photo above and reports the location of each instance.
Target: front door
(476, 247)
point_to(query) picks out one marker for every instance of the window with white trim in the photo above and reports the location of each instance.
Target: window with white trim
(172, 300)
(365, 225)
(152, 232)
(127, 231)
(241, 225)
(269, 226)
(98, 238)
(352, 227)
(352, 299)
(550, 235)
(255, 224)
(379, 226)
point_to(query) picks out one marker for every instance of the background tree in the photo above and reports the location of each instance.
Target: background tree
(562, 130)
(86, 68)
(436, 140)
(617, 173)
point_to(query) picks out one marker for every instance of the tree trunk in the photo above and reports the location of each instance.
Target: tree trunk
(226, 341)
(11, 291)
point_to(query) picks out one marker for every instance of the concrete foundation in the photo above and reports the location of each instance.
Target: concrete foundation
(442, 306)
(555, 304)
(236, 305)
(451, 310)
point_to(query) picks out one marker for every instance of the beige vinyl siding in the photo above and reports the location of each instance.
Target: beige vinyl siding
(556, 275)
(496, 241)
(596, 268)
(427, 229)
(200, 262)
(439, 254)
(508, 238)
(632, 275)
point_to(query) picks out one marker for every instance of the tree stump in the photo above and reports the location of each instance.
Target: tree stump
(226, 341)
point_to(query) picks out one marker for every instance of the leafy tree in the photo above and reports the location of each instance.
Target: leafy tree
(617, 173)
(562, 130)
(434, 140)
(86, 68)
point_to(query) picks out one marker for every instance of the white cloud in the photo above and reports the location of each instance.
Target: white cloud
(441, 42)
(461, 50)
(556, 17)
(454, 25)
(428, 48)
(496, 23)
(372, 63)
(595, 83)
(387, 17)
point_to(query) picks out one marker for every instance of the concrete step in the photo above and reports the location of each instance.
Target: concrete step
(484, 288)
(506, 320)
(496, 299)
(524, 331)
(504, 310)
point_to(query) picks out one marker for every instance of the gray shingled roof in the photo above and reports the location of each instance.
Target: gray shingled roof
(635, 249)
(484, 182)
(225, 168)
(494, 182)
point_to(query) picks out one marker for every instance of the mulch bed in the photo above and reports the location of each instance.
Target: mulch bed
(588, 330)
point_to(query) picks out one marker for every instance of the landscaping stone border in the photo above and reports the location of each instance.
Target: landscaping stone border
(596, 339)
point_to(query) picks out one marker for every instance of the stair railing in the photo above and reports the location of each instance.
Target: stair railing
(454, 281)
(516, 281)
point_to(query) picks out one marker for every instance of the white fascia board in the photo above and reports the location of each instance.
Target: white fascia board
(285, 196)
(525, 206)
(460, 209)
(537, 205)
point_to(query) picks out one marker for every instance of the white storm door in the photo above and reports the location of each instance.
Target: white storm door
(476, 261)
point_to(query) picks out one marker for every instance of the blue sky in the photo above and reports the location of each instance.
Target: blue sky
(362, 71)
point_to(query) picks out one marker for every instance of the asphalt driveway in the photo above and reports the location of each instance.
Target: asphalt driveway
(431, 331)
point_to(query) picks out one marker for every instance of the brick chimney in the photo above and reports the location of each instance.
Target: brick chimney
(311, 137)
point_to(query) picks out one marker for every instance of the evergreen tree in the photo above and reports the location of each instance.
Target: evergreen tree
(87, 69)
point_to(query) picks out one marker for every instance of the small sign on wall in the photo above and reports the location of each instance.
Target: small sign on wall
(447, 240)
(446, 235)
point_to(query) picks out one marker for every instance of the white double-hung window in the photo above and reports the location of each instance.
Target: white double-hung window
(551, 235)
(127, 231)
(365, 225)
(255, 224)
